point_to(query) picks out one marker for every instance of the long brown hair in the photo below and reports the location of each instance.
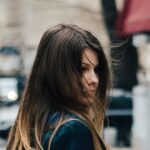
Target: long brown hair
(55, 85)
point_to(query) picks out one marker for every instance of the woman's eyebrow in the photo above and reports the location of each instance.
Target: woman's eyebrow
(87, 64)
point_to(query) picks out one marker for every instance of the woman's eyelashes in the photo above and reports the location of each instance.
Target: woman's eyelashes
(86, 68)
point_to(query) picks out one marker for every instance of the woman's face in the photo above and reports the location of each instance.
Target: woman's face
(90, 79)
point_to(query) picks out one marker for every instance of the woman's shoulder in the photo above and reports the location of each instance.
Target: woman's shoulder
(74, 124)
(71, 123)
(73, 131)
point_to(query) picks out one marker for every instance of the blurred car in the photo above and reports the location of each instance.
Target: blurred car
(10, 61)
(11, 87)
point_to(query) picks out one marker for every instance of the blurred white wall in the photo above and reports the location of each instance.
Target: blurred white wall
(24, 22)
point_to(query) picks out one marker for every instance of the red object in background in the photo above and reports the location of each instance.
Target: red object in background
(134, 18)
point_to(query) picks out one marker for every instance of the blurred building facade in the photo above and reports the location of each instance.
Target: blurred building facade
(24, 21)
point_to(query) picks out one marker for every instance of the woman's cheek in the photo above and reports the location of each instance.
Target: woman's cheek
(85, 82)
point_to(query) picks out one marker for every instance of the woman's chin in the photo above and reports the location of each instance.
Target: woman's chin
(89, 100)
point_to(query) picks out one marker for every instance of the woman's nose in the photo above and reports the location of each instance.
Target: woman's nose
(94, 77)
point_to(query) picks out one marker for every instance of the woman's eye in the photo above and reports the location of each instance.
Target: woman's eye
(84, 69)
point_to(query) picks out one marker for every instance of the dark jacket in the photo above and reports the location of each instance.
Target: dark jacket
(73, 135)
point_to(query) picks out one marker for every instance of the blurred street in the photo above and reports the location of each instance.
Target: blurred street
(22, 23)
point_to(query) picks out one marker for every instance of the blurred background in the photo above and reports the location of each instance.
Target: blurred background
(122, 26)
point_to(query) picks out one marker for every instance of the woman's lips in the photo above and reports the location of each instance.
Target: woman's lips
(91, 93)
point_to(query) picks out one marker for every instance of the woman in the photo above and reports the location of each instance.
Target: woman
(63, 105)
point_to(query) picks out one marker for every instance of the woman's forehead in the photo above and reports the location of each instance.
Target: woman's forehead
(89, 56)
